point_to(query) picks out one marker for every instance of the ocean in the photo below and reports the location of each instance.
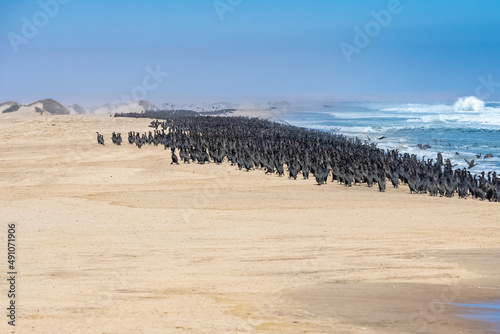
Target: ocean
(489, 312)
(468, 129)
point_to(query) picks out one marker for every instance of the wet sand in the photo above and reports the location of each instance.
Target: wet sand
(115, 240)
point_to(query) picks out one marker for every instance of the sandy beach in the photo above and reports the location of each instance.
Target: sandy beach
(117, 240)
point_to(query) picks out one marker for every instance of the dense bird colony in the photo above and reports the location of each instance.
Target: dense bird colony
(252, 143)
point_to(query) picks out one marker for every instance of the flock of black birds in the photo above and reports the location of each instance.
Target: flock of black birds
(252, 143)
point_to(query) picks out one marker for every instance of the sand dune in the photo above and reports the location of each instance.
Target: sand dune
(117, 240)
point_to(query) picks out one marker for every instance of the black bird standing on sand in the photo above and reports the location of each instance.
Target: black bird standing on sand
(432, 188)
(100, 138)
(175, 160)
(381, 181)
(321, 175)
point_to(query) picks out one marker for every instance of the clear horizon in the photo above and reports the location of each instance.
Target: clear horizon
(91, 53)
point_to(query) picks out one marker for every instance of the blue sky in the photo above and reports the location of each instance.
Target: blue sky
(92, 52)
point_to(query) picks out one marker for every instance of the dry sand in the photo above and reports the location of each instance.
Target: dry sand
(117, 240)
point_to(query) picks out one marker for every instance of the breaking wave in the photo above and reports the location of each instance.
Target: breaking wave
(468, 104)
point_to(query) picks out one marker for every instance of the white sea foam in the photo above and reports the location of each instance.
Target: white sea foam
(418, 108)
(468, 104)
(340, 129)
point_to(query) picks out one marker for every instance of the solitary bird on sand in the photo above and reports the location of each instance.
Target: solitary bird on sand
(175, 160)
(100, 138)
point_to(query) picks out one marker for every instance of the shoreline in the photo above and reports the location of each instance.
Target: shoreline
(118, 239)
